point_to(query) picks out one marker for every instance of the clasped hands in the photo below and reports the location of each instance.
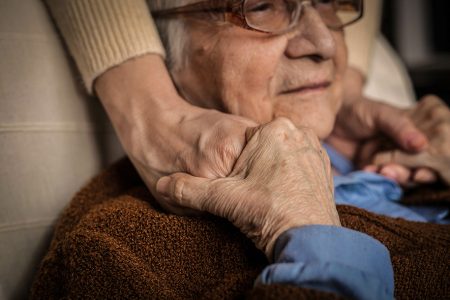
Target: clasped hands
(410, 146)
(268, 189)
(282, 179)
(432, 117)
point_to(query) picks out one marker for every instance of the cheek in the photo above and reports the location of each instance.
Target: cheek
(341, 63)
(341, 50)
(246, 72)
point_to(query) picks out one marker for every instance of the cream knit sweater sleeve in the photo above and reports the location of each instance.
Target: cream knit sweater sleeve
(101, 34)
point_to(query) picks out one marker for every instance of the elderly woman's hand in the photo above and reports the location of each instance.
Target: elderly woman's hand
(282, 180)
(432, 116)
(361, 119)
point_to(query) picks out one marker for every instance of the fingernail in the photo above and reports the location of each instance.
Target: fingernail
(416, 141)
(389, 174)
(162, 186)
(371, 169)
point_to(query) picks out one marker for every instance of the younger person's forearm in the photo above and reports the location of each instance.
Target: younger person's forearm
(101, 34)
(139, 86)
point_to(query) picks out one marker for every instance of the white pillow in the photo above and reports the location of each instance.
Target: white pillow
(387, 78)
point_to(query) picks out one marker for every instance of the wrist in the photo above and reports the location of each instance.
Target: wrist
(142, 81)
(291, 221)
(141, 90)
(142, 104)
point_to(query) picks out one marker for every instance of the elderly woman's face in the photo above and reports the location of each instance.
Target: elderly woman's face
(297, 75)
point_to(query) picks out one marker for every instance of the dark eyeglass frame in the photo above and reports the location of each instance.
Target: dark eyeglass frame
(234, 13)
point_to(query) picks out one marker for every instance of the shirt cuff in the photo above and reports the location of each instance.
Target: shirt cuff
(332, 259)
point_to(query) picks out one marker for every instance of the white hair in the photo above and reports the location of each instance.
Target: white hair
(172, 32)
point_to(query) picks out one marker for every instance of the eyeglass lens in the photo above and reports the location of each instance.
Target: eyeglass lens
(279, 15)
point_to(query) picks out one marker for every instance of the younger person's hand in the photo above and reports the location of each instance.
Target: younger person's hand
(162, 133)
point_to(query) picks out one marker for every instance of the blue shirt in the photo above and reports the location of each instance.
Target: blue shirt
(340, 260)
(377, 194)
(332, 259)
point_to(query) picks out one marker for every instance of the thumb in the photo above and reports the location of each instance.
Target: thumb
(420, 160)
(184, 190)
(394, 123)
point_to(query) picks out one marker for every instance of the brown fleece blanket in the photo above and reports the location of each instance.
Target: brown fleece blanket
(112, 242)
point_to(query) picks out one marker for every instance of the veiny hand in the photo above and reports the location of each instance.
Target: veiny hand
(281, 180)
(163, 134)
(431, 116)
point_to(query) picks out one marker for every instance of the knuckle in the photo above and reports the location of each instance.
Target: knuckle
(439, 112)
(431, 100)
(228, 145)
(442, 129)
(310, 135)
(278, 129)
(285, 122)
(177, 188)
(402, 122)
(226, 154)
(226, 126)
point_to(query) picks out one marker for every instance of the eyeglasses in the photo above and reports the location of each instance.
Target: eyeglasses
(272, 16)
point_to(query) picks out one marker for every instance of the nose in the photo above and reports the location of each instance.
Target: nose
(311, 37)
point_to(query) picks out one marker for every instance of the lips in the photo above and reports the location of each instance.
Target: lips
(310, 87)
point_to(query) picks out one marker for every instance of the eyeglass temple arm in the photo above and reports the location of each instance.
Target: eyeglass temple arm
(200, 7)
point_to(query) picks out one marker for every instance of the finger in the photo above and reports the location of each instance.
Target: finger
(184, 190)
(394, 123)
(425, 176)
(398, 173)
(425, 108)
(367, 151)
(251, 132)
(371, 168)
(403, 158)
(279, 123)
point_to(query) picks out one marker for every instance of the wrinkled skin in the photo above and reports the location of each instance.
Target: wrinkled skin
(162, 134)
(363, 121)
(432, 116)
(282, 180)
(364, 128)
(168, 136)
(262, 77)
(297, 75)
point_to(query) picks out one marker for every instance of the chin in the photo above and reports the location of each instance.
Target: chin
(320, 121)
(322, 130)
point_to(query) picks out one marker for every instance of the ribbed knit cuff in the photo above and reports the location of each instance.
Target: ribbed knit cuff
(102, 34)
